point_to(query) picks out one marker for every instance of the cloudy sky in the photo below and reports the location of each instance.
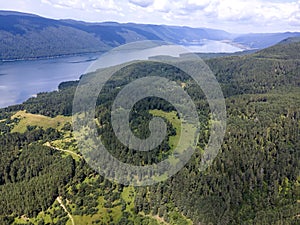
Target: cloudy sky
(238, 16)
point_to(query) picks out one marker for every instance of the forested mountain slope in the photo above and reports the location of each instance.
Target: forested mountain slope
(253, 180)
(25, 36)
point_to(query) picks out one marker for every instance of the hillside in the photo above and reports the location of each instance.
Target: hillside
(253, 180)
(284, 50)
(259, 41)
(25, 36)
(30, 36)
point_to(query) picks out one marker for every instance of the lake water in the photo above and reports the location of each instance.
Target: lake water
(20, 80)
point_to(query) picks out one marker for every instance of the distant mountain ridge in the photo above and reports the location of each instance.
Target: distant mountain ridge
(285, 49)
(25, 36)
(15, 13)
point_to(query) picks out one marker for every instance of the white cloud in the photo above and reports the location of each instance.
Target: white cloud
(238, 13)
(294, 19)
(231, 15)
(234, 10)
(142, 3)
(163, 6)
(237, 10)
(104, 5)
(84, 5)
(75, 4)
(195, 4)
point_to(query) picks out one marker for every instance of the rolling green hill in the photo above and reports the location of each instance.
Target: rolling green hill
(255, 179)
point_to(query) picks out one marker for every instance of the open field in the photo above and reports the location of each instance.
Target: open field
(29, 119)
(174, 120)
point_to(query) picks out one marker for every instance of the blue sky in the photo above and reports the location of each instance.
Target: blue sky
(237, 16)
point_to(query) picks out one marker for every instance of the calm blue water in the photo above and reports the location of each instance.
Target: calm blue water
(20, 80)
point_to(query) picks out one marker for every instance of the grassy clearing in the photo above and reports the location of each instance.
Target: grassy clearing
(183, 130)
(44, 215)
(67, 144)
(102, 215)
(128, 195)
(84, 219)
(174, 120)
(29, 119)
(174, 218)
(158, 219)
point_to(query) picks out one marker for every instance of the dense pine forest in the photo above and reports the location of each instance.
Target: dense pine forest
(254, 179)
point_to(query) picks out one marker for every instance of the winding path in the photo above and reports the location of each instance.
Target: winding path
(59, 199)
(62, 150)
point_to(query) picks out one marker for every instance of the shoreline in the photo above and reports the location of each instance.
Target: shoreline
(49, 57)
